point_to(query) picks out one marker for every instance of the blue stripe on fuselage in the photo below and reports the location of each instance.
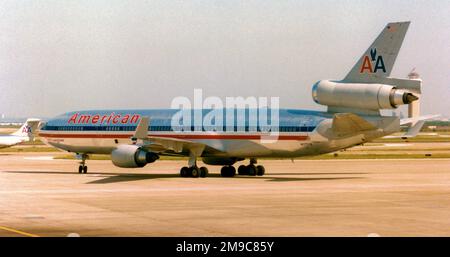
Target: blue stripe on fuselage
(290, 120)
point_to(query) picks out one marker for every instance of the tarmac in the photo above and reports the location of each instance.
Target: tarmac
(40, 196)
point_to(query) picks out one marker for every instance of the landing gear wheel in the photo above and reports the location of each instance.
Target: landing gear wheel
(195, 172)
(184, 172)
(251, 169)
(260, 170)
(203, 172)
(242, 170)
(82, 168)
(223, 171)
(228, 171)
(232, 171)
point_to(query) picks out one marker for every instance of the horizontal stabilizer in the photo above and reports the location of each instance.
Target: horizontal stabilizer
(414, 130)
(416, 125)
(414, 120)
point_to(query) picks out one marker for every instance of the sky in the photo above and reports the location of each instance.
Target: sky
(59, 56)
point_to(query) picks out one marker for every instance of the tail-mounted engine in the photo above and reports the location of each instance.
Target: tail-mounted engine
(360, 96)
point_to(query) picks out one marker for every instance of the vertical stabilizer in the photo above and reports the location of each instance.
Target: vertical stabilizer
(28, 129)
(377, 62)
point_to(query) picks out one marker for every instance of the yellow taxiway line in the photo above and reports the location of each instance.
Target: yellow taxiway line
(18, 232)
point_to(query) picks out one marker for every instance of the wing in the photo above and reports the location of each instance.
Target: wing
(348, 123)
(168, 146)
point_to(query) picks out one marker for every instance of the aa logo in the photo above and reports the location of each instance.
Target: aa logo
(372, 63)
(26, 129)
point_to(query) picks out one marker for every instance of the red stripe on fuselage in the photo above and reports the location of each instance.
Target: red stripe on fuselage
(178, 136)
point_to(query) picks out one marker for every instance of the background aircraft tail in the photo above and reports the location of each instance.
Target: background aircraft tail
(28, 129)
(378, 60)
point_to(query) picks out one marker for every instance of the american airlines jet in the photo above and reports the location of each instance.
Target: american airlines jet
(134, 138)
(23, 134)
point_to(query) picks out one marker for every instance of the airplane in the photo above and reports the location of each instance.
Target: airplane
(134, 138)
(23, 134)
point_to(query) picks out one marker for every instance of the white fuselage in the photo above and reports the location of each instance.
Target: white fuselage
(10, 140)
(301, 133)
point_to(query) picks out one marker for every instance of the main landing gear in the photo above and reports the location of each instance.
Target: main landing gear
(83, 167)
(226, 171)
(252, 169)
(194, 172)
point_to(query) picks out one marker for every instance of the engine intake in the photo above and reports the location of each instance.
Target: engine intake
(363, 96)
(132, 156)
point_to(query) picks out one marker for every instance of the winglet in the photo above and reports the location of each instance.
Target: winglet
(141, 131)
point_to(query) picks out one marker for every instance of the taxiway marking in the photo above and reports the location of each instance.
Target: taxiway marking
(18, 231)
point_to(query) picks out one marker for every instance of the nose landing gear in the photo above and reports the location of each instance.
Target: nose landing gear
(83, 167)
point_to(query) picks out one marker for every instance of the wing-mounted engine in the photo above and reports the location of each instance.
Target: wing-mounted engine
(132, 156)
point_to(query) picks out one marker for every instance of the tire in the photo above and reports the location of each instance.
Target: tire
(184, 172)
(242, 170)
(260, 170)
(85, 168)
(231, 171)
(251, 170)
(223, 171)
(228, 171)
(195, 172)
(203, 172)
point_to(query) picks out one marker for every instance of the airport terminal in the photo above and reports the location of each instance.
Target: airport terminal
(371, 158)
